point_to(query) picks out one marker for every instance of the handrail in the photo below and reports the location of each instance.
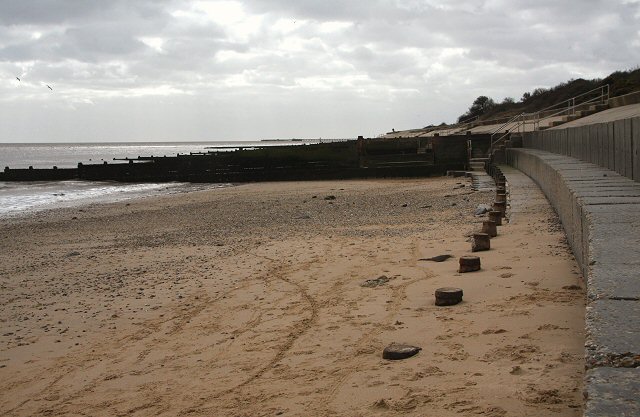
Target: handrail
(603, 98)
(573, 99)
(502, 126)
(570, 108)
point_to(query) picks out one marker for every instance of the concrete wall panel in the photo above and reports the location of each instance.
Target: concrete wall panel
(571, 139)
(612, 145)
(595, 145)
(586, 143)
(627, 149)
(604, 145)
(618, 137)
(635, 138)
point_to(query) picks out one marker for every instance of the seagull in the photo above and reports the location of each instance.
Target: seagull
(17, 78)
(49, 87)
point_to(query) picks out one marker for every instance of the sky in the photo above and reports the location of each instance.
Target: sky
(164, 70)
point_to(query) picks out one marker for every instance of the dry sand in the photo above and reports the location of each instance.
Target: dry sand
(247, 301)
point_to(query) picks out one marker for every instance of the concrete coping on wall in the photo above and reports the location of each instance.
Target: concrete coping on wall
(600, 212)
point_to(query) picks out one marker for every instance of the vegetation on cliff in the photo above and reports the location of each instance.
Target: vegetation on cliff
(620, 82)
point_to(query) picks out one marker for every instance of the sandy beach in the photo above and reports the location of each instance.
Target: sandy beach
(247, 301)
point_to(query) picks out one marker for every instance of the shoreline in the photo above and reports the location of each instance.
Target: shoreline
(247, 301)
(20, 199)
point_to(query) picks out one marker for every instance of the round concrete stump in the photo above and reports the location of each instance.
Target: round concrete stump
(397, 351)
(469, 264)
(496, 217)
(448, 296)
(481, 241)
(489, 227)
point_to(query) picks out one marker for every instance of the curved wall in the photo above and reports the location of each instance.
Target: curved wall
(612, 145)
(600, 212)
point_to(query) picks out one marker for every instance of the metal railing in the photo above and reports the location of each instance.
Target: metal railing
(569, 106)
(599, 95)
(519, 121)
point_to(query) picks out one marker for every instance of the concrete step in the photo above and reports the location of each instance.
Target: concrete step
(585, 113)
(598, 107)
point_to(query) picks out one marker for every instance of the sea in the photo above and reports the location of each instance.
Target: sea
(22, 198)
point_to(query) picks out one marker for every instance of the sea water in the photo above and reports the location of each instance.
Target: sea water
(18, 198)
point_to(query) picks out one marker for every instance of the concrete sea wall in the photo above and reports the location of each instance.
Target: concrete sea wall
(600, 211)
(613, 145)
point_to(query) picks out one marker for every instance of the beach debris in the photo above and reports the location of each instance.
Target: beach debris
(405, 205)
(572, 287)
(496, 217)
(303, 217)
(426, 206)
(381, 404)
(330, 197)
(489, 227)
(494, 331)
(397, 351)
(448, 296)
(70, 254)
(482, 209)
(371, 283)
(481, 241)
(438, 258)
(459, 186)
(469, 264)
(516, 370)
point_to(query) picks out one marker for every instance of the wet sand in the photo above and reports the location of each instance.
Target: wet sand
(247, 301)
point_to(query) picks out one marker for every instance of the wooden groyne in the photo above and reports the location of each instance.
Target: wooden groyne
(361, 158)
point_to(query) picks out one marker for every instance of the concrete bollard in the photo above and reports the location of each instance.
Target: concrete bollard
(469, 264)
(489, 227)
(496, 217)
(481, 241)
(448, 296)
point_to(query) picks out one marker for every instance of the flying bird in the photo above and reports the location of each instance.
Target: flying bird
(17, 78)
(49, 87)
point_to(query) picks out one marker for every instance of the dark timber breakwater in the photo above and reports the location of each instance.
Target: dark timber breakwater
(361, 158)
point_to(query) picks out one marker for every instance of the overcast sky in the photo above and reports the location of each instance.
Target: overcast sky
(147, 70)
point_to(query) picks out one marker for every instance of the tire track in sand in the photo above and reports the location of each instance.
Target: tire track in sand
(277, 273)
(349, 367)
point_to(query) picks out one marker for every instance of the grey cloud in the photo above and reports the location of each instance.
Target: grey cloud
(56, 12)
(392, 54)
